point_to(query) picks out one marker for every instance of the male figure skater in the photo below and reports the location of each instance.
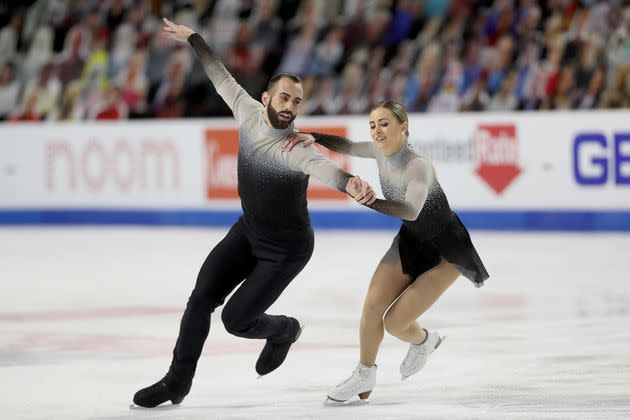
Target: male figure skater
(269, 244)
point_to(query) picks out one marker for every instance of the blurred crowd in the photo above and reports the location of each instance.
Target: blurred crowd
(89, 59)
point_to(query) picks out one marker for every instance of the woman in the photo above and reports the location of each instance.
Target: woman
(429, 253)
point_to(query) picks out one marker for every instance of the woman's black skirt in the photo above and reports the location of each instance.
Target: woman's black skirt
(453, 243)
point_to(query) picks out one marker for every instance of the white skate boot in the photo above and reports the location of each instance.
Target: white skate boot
(360, 383)
(419, 353)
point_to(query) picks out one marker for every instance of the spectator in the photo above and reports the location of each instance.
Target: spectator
(527, 66)
(403, 60)
(562, 96)
(266, 26)
(425, 81)
(72, 63)
(39, 53)
(46, 89)
(591, 97)
(10, 38)
(160, 50)
(447, 99)
(168, 103)
(123, 48)
(111, 107)
(618, 93)
(299, 50)
(322, 102)
(9, 89)
(27, 112)
(327, 53)
(564, 54)
(472, 65)
(133, 84)
(379, 86)
(115, 15)
(348, 99)
(94, 75)
(505, 99)
(476, 97)
(402, 22)
(70, 106)
(502, 57)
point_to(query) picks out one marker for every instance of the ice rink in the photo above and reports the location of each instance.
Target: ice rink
(90, 315)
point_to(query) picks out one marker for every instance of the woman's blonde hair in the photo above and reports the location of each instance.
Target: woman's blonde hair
(397, 109)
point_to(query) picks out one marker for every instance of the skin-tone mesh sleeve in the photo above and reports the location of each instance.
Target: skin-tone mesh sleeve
(342, 145)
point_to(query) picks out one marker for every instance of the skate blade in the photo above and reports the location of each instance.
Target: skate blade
(163, 407)
(350, 403)
(439, 343)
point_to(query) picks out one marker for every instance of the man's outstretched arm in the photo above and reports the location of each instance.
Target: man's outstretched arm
(232, 93)
(312, 162)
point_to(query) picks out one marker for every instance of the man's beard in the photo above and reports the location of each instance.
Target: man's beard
(275, 121)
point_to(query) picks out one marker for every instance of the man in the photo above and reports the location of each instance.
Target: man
(270, 243)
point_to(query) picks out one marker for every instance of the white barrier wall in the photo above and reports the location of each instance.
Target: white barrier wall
(519, 164)
(572, 161)
(150, 164)
(93, 165)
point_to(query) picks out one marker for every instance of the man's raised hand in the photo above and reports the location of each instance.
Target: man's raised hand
(177, 32)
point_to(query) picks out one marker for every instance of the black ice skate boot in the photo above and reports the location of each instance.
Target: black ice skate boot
(160, 392)
(274, 353)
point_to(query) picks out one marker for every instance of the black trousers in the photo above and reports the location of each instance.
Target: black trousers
(265, 263)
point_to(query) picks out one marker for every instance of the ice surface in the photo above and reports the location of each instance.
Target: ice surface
(90, 315)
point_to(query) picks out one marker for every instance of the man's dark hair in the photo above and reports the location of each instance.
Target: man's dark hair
(276, 77)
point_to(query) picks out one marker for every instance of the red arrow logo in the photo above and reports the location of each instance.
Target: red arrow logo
(498, 177)
(497, 152)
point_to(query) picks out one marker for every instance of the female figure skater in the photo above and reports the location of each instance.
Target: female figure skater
(427, 255)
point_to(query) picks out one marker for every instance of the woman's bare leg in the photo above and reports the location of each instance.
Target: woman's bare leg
(400, 320)
(388, 282)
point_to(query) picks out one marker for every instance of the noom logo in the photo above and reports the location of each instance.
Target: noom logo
(121, 165)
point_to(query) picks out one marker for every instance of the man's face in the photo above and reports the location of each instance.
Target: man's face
(283, 103)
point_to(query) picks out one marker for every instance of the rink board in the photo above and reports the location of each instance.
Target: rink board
(526, 171)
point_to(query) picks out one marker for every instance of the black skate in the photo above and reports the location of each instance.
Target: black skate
(273, 354)
(159, 393)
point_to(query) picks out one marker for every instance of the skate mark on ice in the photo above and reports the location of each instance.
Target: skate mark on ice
(76, 314)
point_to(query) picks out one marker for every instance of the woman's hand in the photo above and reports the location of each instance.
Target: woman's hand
(177, 32)
(305, 139)
(360, 191)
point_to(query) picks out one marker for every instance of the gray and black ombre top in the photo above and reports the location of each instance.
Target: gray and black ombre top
(409, 185)
(272, 183)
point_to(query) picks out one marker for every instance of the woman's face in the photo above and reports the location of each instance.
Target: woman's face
(386, 131)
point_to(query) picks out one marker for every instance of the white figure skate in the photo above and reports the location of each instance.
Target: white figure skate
(360, 383)
(419, 353)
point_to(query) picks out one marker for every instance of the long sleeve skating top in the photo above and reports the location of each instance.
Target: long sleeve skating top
(272, 183)
(413, 193)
